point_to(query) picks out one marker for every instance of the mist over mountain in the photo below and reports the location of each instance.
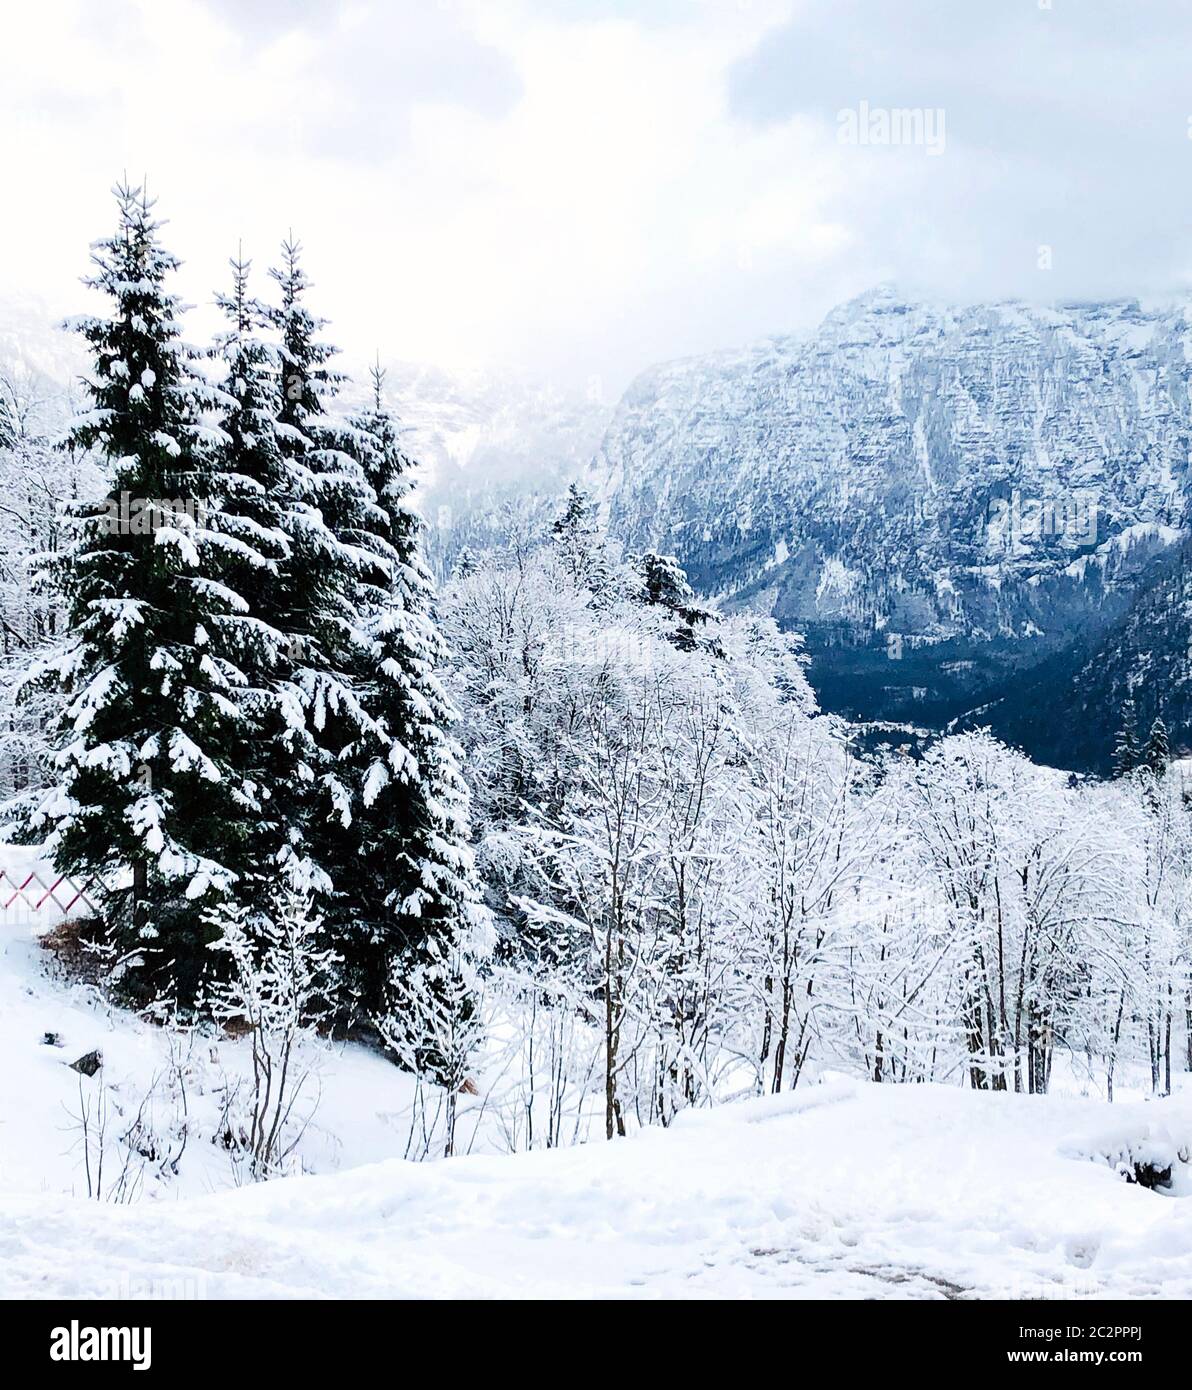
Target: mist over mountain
(491, 444)
(486, 440)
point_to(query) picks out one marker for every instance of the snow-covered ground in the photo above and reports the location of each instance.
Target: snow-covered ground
(359, 1104)
(845, 1191)
(842, 1189)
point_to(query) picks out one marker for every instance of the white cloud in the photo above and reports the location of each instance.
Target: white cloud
(583, 186)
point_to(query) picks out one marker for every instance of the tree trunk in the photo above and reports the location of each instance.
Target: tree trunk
(140, 895)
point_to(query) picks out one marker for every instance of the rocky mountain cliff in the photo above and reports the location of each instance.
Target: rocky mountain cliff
(939, 498)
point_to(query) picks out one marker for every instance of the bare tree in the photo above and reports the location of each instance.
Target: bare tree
(275, 992)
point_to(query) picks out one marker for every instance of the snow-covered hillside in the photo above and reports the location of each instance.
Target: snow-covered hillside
(360, 1103)
(839, 1189)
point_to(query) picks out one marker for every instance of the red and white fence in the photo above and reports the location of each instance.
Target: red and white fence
(39, 898)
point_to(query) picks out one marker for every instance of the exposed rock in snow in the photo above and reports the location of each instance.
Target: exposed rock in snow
(89, 1063)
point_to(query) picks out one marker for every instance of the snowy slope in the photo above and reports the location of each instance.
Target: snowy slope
(362, 1101)
(841, 1189)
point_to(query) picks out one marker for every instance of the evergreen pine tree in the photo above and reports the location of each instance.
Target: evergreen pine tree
(317, 578)
(269, 488)
(1126, 755)
(466, 563)
(664, 581)
(664, 585)
(317, 597)
(580, 544)
(260, 482)
(409, 884)
(1158, 751)
(384, 818)
(149, 795)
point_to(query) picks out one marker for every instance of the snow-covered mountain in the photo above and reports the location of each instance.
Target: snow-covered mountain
(934, 495)
(1069, 709)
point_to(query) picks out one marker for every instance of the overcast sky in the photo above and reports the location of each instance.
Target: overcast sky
(583, 187)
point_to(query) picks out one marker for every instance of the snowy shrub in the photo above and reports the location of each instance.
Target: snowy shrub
(1149, 1152)
(275, 994)
(434, 1027)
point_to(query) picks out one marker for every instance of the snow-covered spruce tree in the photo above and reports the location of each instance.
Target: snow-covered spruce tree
(151, 720)
(664, 580)
(380, 807)
(663, 584)
(407, 878)
(259, 479)
(270, 490)
(465, 563)
(315, 603)
(318, 579)
(581, 544)
(1158, 750)
(1126, 753)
